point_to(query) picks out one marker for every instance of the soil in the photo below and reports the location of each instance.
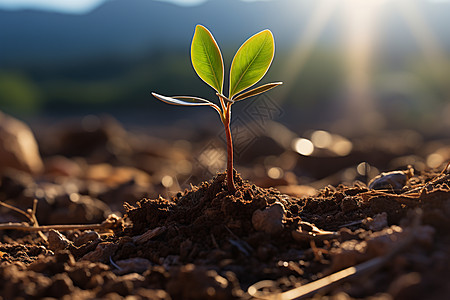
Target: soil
(390, 238)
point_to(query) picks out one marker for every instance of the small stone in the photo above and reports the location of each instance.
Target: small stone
(269, 220)
(394, 180)
(18, 147)
(57, 241)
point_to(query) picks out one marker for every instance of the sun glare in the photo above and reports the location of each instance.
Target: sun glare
(359, 19)
(426, 40)
(307, 40)
(360, 22)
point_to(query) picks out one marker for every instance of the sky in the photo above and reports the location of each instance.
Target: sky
(72, 6)
(83, 6)
(79, 6)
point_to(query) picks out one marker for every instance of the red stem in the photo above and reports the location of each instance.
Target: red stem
(230, 181)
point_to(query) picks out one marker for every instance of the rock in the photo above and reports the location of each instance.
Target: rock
(18, 147)
(394, 180)
(57, 241)
(269, 220)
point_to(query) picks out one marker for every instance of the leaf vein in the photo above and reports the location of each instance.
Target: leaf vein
(248, 66)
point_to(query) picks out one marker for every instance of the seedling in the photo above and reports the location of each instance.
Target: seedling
(249, 65)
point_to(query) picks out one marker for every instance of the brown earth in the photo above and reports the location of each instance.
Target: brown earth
(205, 243)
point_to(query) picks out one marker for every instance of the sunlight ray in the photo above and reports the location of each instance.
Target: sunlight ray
(306, 42)
(424, 36)
(360, 20)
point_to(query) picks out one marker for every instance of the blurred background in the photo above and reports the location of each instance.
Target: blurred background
(366, 84)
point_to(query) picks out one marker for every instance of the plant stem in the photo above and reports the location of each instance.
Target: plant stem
(230, 181)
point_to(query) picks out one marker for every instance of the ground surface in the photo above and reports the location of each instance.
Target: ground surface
(201, 242)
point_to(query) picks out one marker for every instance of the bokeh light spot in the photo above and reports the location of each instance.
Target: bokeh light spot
(321, 139)
(167, 181)
(275, 173)
(303, 146)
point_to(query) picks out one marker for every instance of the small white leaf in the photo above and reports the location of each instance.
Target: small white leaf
(183, 100)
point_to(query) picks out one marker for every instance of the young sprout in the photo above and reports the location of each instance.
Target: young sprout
(249, 65)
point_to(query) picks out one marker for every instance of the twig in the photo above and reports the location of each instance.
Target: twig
(20, 226)
(30, 214)
(111, 223)
(34, 219)
(18, 210)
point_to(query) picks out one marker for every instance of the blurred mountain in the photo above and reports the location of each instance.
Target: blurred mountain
(121, 27)
(130, 27)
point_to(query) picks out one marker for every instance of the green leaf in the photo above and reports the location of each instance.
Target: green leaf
(256, 91)
(186, 101)
(206, 58)
(251, 61)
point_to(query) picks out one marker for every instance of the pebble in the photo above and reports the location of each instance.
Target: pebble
(57, 241)
(394, 180)
(269, 220)
(18, 147)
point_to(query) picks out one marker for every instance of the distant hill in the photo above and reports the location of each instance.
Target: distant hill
(126, 27)
(130, 27)
(134, 26)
